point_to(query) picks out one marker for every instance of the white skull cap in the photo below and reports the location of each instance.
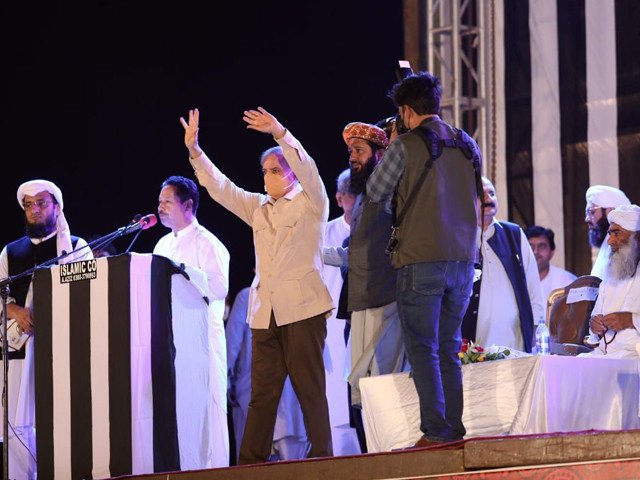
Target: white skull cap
(606, 197)
(627, 216)
(33, 187)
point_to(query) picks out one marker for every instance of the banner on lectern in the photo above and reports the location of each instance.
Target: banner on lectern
(105, 368)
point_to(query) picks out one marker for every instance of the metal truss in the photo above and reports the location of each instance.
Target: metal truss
(456, 52)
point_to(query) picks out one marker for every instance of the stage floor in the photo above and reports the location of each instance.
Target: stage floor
(577, 455)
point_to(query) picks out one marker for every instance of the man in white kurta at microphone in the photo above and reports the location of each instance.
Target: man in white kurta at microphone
(192, 244)
(615, 320)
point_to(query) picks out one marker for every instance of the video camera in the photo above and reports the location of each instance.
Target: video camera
(403, 70)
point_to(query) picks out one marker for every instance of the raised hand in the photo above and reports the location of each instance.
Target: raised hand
(191, 133)
(264, 122)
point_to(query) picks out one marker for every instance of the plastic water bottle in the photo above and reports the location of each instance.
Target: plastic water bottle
(542, 339)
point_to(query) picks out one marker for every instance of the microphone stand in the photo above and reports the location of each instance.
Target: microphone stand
(4, 292)
(133, 241)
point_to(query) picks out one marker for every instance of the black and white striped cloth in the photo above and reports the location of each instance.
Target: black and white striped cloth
(567, 76)
(108, 399)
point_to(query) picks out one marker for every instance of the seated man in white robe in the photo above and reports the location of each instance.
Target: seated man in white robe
(615, 321)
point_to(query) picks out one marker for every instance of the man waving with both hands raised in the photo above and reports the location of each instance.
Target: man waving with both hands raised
(289, 302)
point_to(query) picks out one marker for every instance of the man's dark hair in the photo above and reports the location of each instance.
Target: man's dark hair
(538, 231)
(421, 91)
(185, 189)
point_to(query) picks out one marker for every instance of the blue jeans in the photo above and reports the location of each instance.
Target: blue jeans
(432, 299)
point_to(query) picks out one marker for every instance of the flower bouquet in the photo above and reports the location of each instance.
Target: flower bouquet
(473, 353)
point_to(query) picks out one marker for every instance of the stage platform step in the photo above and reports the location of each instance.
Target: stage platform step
(578, 455)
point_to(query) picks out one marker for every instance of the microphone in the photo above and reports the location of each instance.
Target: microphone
(139, 222)
(148, 221)
(143, 223)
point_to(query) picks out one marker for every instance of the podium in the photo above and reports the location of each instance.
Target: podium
(125, 368)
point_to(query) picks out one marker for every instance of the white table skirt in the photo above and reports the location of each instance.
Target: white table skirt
(538, 394)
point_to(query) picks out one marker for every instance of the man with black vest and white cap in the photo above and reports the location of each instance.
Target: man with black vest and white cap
(601, 199)
(615, 320)
(47, 236)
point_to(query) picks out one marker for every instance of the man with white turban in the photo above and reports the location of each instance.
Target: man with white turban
(601, 199)
(47, 237)
(615, 319)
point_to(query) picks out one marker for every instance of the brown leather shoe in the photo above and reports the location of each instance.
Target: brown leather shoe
(424, 442)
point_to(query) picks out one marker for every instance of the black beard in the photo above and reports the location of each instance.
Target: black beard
(40, 230)
(358, 181)
(597, 235)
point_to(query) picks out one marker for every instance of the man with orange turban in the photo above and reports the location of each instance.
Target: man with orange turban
(376, 335)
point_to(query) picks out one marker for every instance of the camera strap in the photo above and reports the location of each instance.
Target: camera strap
(412, 195)
(430, 139)
(434, 144)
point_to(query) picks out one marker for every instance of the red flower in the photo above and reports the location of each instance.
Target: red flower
(479, 348)
(465, 345)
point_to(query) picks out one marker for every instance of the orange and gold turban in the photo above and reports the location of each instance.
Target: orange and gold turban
(365, 131)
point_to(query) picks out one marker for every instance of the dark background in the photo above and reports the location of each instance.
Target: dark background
(92, 92)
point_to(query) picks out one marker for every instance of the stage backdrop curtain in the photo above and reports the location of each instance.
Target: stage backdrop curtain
(568, 106)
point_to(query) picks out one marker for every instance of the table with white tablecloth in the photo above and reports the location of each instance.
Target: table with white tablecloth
(536, 394)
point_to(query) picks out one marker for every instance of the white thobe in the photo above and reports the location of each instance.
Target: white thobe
(344, 438)
(600, 265)
(20, 380)
(498, 315)
(619, 296)
(197, 247)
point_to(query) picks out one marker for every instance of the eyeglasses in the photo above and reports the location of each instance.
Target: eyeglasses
(37, 203)
(591, 212)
